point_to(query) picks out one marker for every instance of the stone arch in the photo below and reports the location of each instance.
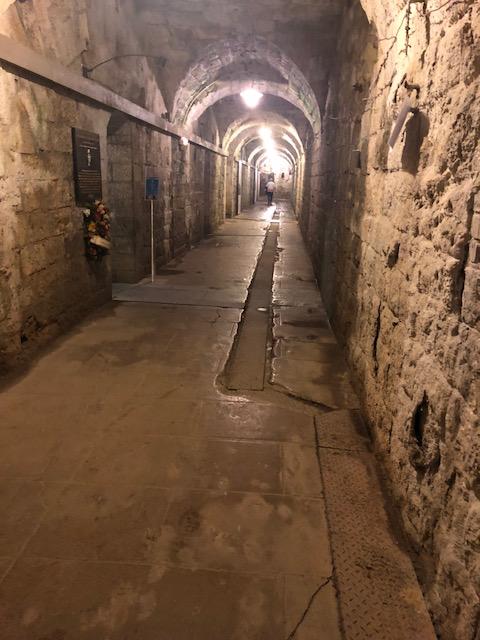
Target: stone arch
(256, 120)
(280, 153)
(218, 90)
(279, 144)
(254, 136)
(201, 87)
(259, 154)
(250, 133)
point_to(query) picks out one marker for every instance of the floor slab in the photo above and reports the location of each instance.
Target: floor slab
(143, 500)
(256, 421)
(122, 601)
(255, 533)
(114, 522)
(172, 462)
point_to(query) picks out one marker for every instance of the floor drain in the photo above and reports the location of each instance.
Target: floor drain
(245, 369)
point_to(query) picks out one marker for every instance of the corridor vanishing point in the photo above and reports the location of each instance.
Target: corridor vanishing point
(239, 320)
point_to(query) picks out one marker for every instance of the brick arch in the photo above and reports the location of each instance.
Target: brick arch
(201, 88)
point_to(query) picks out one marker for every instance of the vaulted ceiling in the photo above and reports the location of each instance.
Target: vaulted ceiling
(213, 49)
(179, 31)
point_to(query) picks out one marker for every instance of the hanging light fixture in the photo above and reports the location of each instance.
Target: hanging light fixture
(251, 97)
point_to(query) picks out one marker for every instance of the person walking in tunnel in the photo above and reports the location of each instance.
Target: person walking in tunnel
(270, 189)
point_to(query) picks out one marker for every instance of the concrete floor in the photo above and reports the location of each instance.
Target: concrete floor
(145, 498)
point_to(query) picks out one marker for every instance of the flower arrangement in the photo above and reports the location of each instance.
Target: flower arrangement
(96, 219)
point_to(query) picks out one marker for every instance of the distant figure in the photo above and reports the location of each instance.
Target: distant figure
(270, 188)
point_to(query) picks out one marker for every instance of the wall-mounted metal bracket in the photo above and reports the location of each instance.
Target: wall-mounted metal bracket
(409, 106)
(412, 87)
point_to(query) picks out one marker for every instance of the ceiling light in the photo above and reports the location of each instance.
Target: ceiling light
(251, 97)
(265, 133)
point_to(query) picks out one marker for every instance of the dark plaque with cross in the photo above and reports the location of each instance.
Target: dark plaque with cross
(86, 166)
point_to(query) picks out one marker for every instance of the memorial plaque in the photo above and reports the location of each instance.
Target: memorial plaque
(86, 166)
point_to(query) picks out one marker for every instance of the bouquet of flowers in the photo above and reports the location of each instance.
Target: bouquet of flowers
(96, 220)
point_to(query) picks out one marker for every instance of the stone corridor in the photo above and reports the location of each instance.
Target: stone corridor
(219, 419)
(143, 499)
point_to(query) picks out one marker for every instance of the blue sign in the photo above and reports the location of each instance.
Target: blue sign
(151, 188)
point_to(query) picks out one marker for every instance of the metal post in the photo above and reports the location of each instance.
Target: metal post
(152, 241)
(239, 187)
(151, 193)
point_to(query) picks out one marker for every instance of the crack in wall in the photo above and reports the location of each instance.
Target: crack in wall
(376, 337)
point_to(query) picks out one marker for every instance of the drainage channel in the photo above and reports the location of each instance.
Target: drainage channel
(245, 370)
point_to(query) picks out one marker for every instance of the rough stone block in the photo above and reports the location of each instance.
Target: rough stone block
(476, 203)
(476, 226)
(471, 297)
(474, 251)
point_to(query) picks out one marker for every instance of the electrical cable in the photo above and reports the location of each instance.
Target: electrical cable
(125, 55)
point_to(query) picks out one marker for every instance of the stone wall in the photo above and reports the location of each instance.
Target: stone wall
(247, 186)
(45, 280)
(284, 185)
(46, 283)
(397, 252)
(190, 203)
(198, 207)
(87, 33)
(198, 223)
(298, 185)
(135, 153)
